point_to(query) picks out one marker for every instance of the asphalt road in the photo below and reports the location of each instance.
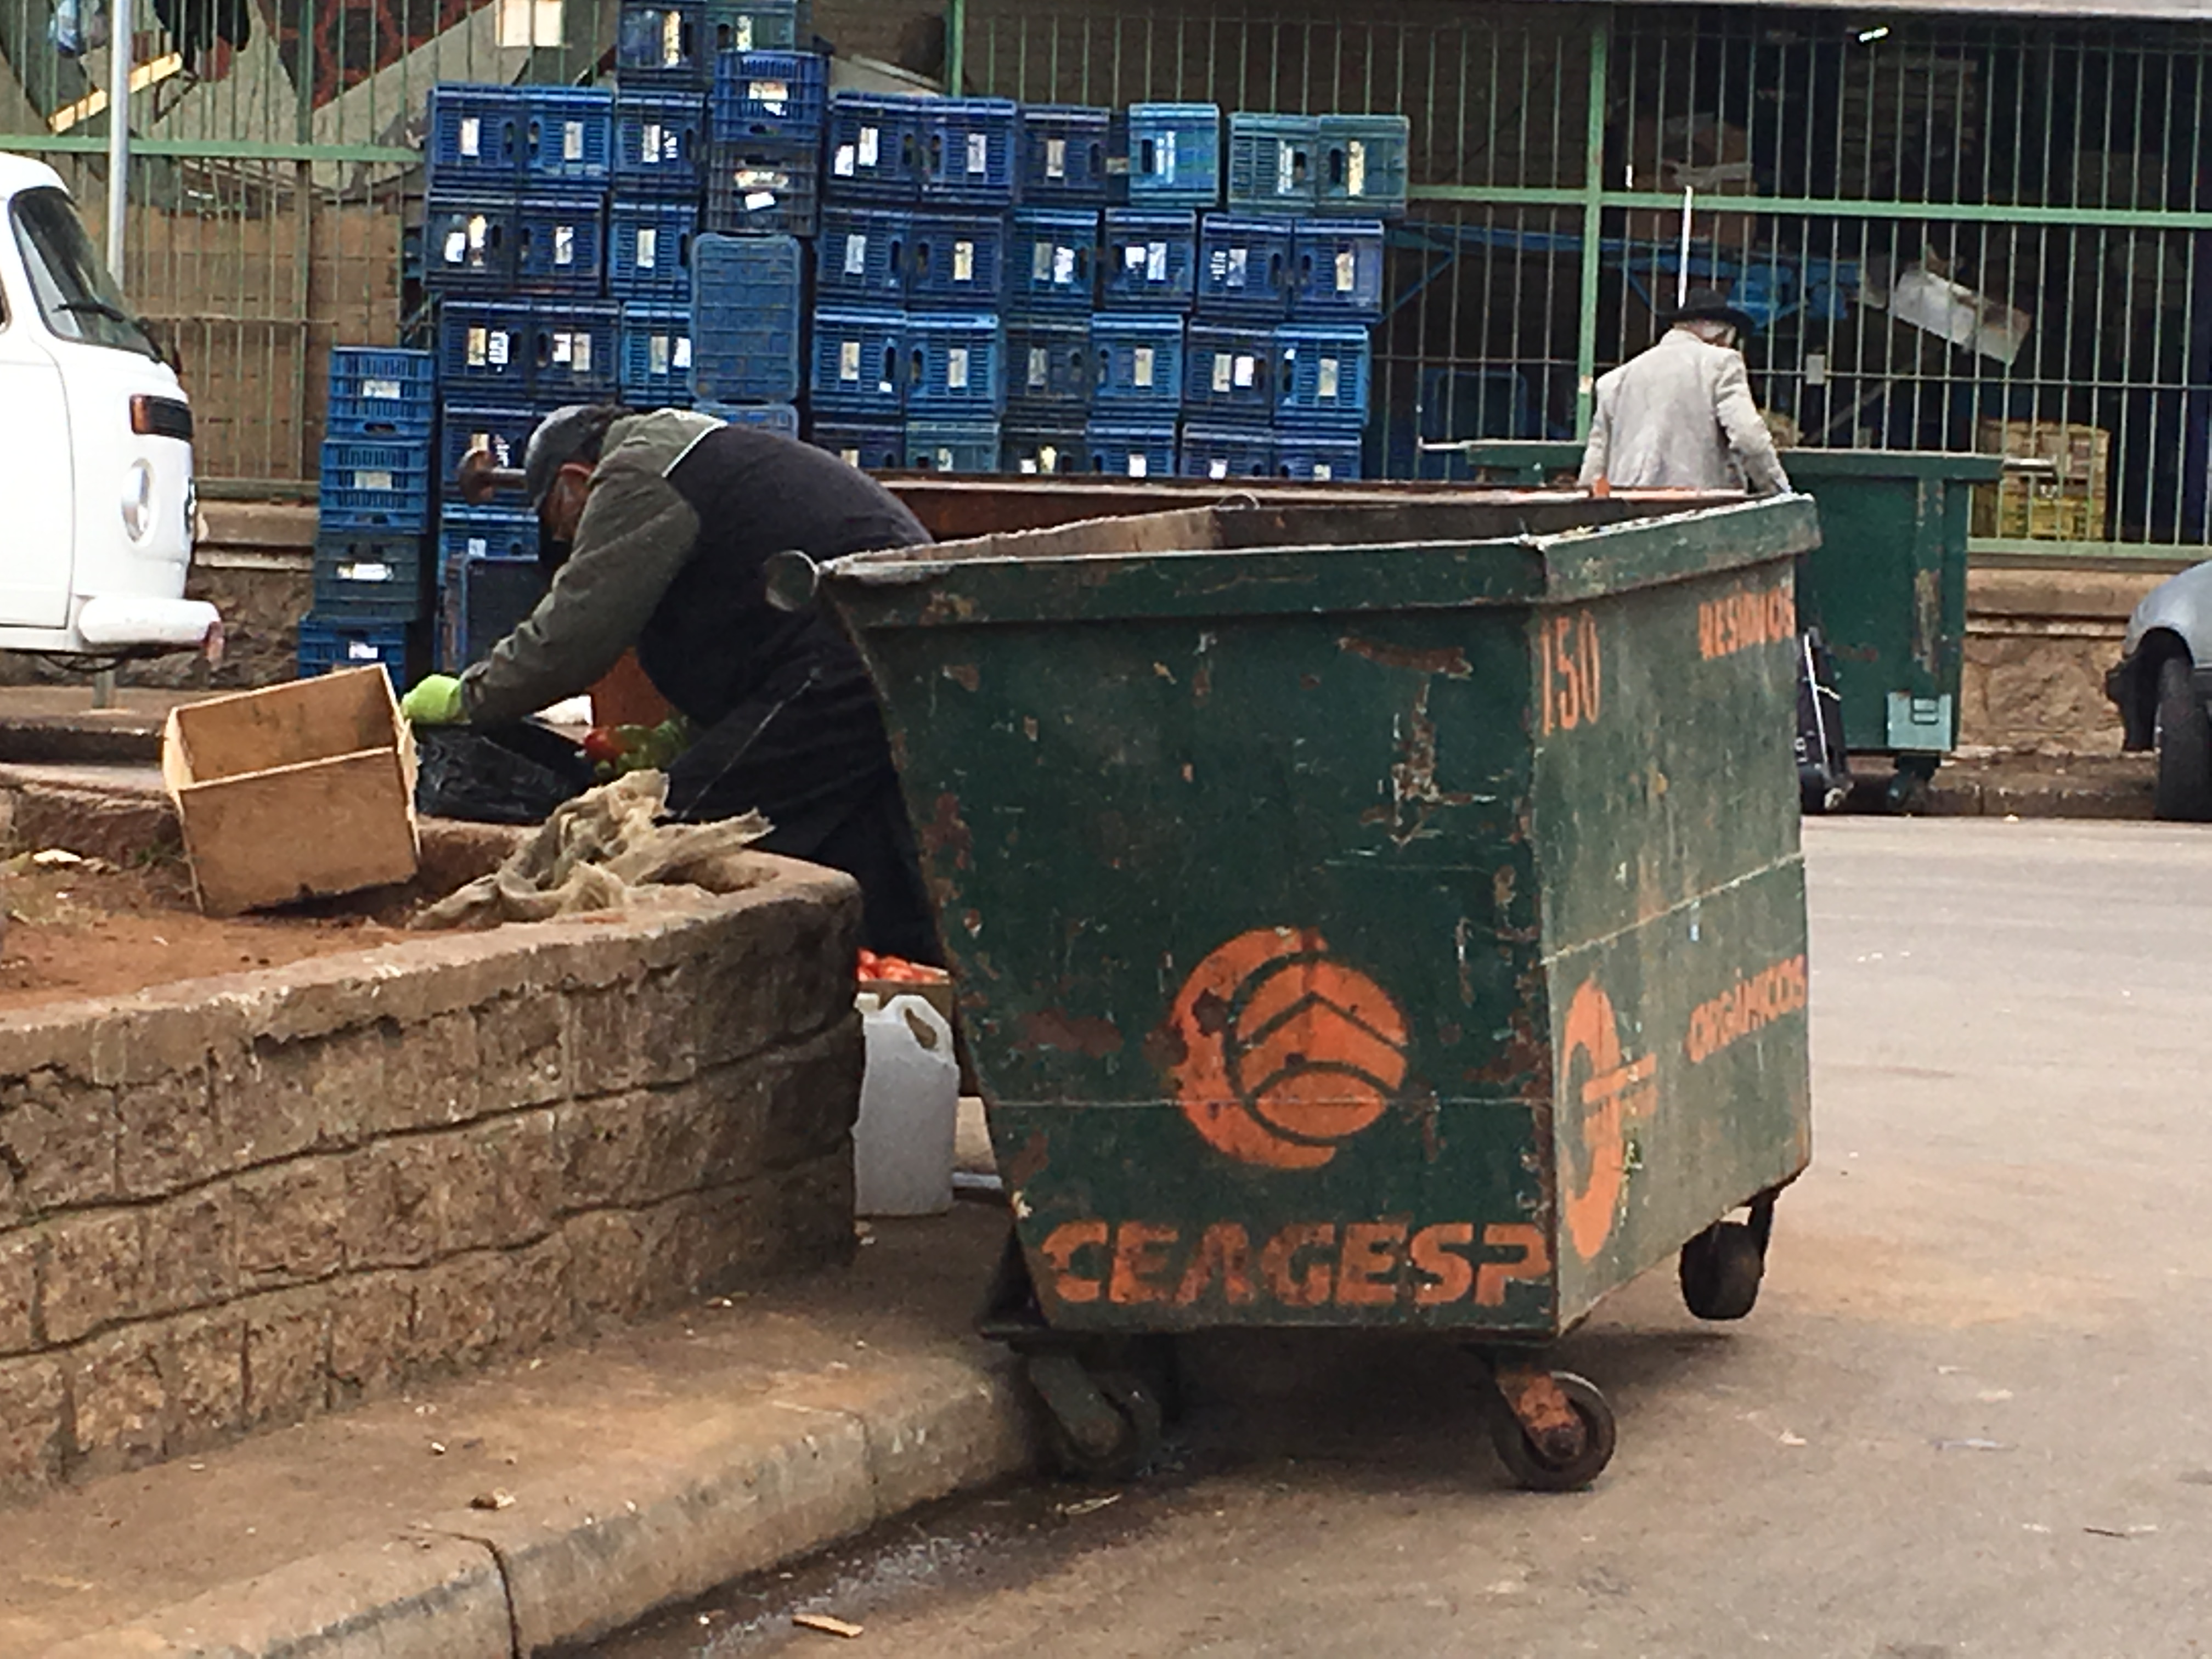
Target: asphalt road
(1969, 1416)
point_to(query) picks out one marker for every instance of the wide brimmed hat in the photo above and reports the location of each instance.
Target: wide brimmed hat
(1710, 305)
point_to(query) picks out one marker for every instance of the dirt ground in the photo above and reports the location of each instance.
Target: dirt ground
(92, 930)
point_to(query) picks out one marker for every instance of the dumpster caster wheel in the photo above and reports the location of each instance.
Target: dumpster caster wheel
(1554, 1431)
(1911, 787)
(1720, 1269)
(1099, 1428)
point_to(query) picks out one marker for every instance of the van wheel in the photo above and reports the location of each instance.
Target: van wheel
(2185, 747)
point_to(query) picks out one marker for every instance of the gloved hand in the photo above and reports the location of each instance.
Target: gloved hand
(435, 700)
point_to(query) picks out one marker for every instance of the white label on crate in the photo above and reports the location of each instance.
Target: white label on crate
(564, 245)
(1040, 262)
(1221, 368)
(841, 162)
(1248, 371)
(1217, 468)
(1286, 169)
(872, 146)
(478, 356)
(478, 547)
(1133, 259)
(648, 247)
(1156, 262)
(672, 39)
(741, 39)
(1347, 271)
(1040, 367)
(1355, 167)
(388, 390)
(759, 201)
(1137, 464)
(963, 261)
(979, 153)
(1163, 153)
(561, 343)
(944, 460)
(365, 572)
(457, 247)
(471, 135)
(1327, 379)
(495, 345)
(850, 457)
(582, 354)
(1055, 158)
(572, 141)
(372, 478)
(656, 355)
(1322, 473)
(856, 254)
(683, 358)
(360, 651)
(648, 144)
(956, 368)
(1026, 465)
(774, 96)
(1240, 266)
(1063, 267)
(849, 360)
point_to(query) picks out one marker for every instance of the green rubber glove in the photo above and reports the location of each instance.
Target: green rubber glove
(435, 700)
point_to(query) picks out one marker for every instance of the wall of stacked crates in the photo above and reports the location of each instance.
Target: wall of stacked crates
(958, 284)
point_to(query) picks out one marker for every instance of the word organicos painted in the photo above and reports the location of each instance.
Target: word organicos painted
(1750, 1005)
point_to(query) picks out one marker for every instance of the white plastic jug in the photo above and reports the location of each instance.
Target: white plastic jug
(909, 1110)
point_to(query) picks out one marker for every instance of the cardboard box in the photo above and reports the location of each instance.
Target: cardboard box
(294, 791)
(1953, 312)
(2065, 505)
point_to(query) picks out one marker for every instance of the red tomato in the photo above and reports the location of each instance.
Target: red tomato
(600, 744)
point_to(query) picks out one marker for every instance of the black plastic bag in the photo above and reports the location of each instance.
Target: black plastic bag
(501, 774)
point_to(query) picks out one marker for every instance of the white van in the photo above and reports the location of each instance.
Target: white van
(96, 504)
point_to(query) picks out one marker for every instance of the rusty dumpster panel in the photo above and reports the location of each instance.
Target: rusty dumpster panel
(1249, 857)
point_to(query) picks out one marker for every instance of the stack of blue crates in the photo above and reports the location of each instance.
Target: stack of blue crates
(375, 507)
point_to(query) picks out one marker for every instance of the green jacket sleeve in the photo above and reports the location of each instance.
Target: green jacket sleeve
(636, 535)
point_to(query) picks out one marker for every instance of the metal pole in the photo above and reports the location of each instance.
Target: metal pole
(1682, 266)
(119, 203)
(1593, 219)
(955, 45)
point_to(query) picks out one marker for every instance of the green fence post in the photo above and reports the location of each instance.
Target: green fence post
(1601, 50)
(955, 45)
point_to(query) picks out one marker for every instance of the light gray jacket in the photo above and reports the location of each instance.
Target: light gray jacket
(1682, 417)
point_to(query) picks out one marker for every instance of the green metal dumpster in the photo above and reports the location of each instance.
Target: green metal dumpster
(1387, 917)
(1888, 588)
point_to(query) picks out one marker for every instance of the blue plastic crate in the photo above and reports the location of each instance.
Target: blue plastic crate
(1048, 365)
(573, 355)
(1044, 451)
(1137, 364)
(374, 483)
(379, 392)
(1322, 375)
(952, 445)
(1052, 261)
(562, 245)
(567, 141)
(649, 249)
(780, 418)
(872, 445)
(662, 44)
(483, 601)
(955, 363)
(967, 150)
(361, 576)
(660, 144)
(469, 243)
(862, 256)
(760, 187)
(1244, 267)
(956, 261)
(1230, 373)
(503, 429)
(1317, 454)
(1226, 451)
(782, 95)
(1124, 449)
(656, 355)
(484, 344)
(1174, 155)
(1364, 163)
(328, 643)
(859, 361)
(483, 533)
(475, 136)
(1273, 162)
(1065, 155)
(1336, 271)
(747, 298)
(1150, 260)
(753, 25)
(874, 148)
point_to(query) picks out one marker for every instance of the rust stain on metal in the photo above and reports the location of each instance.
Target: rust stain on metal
(1075, 1034)
(1309, 682)
(1461, 935)
(1448, 660)
(1165, 1049)
(1418, 1103)
(946, 833)
(1541, 1407)
(963, 674)
(1414, 795)
(943, 607)
(1034, 1158)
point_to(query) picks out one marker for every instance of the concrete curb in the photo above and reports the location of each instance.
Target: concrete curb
(755, 1485)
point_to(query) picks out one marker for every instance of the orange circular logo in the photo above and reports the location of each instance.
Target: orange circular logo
(1283, 1052)
(1613, 1088)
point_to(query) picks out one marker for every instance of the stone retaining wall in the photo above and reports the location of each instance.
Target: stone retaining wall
(237, 1202)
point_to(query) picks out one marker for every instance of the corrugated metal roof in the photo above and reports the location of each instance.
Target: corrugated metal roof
(2163, 11)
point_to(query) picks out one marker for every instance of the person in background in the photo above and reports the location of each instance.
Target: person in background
(657, 525)
(1681, 417)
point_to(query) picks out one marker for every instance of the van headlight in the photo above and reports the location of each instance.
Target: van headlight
(139, 514)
